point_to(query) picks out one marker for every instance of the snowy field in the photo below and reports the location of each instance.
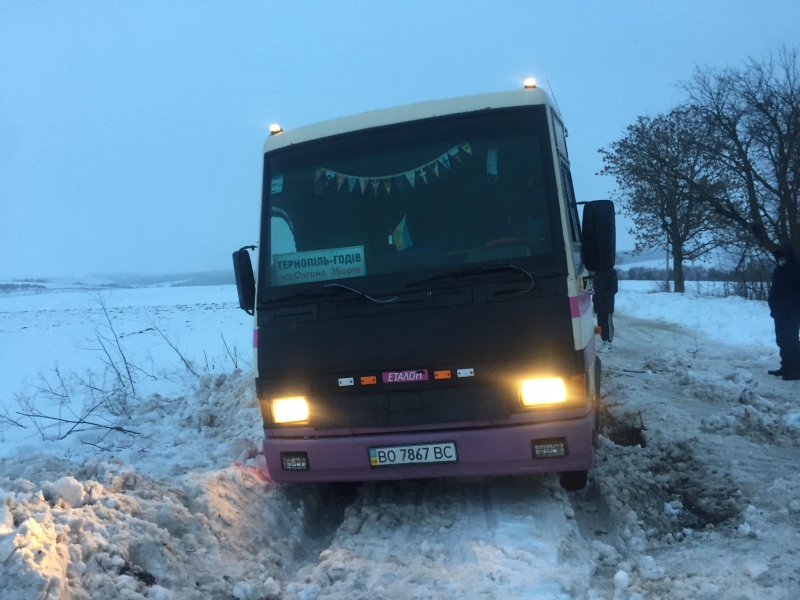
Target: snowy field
(703, 503)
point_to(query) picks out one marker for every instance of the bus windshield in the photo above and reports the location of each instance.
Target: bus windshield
(414, 197)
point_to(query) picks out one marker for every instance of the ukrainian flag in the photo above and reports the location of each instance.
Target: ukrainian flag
(401, 237)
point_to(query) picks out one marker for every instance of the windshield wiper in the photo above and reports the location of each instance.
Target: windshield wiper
(328, 290)
(480, 270)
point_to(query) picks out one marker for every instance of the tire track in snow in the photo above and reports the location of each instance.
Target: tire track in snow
(481, 538)
(702, 511)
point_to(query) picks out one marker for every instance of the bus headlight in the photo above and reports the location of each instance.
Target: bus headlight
(290, 410)
(547, 390)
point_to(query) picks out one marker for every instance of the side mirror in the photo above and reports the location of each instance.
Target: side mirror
(245, 279)
(599, 235)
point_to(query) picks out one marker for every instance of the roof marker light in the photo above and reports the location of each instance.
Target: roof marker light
(275, 129)
(529, 83)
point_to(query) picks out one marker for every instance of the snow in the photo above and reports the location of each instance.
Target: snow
(622, 580)
(695, 493)
(68, 489)
(733, 320)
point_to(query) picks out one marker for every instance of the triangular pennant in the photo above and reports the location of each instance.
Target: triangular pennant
(444, 160)
(399, 182)
(433, 168)
(410, 176)
(351, 182)
(319, 182)
(376, 183)
(387, 183)
(466, 148)
(340, 179)
(421, 172)
(329, 176)
(453, 151)
(363, 181)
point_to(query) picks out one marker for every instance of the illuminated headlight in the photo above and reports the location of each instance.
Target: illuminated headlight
(547, 390)
(290, 410)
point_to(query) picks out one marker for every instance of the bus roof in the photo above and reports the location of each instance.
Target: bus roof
(407, 113)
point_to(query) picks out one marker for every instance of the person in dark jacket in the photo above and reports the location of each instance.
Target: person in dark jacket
(784, 306)
(605, 287)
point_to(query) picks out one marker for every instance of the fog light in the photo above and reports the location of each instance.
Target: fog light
(549, 448)
(294, 461)
(290, 410)
(547, 390)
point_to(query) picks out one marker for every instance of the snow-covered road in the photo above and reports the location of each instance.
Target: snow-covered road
(709, 509)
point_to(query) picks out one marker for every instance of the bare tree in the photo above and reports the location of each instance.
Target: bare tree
(657, 165)
(751, 130)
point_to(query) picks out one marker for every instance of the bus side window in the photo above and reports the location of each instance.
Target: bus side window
(572, 208)
(574, 221)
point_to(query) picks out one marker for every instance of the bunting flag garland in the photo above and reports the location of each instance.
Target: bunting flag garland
(319, 182)
(324, 177)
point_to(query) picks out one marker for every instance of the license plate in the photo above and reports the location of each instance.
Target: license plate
(418, 454)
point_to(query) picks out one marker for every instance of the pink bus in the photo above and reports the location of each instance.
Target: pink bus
(419, 300)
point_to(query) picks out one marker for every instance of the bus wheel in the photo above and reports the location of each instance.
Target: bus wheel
(572, 481)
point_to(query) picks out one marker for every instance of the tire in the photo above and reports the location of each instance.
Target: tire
(572, 481)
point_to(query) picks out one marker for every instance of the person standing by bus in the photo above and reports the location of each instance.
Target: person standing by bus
(784, 306)
(605, 288)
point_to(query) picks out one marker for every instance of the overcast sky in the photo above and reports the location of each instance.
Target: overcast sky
(131, 132)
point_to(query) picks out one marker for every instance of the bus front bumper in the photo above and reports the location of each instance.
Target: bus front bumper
(504, 450)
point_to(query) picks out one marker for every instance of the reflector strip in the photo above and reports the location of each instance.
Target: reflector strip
(346, 381)
(466, 372)
(371, 380)
(442, 375)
